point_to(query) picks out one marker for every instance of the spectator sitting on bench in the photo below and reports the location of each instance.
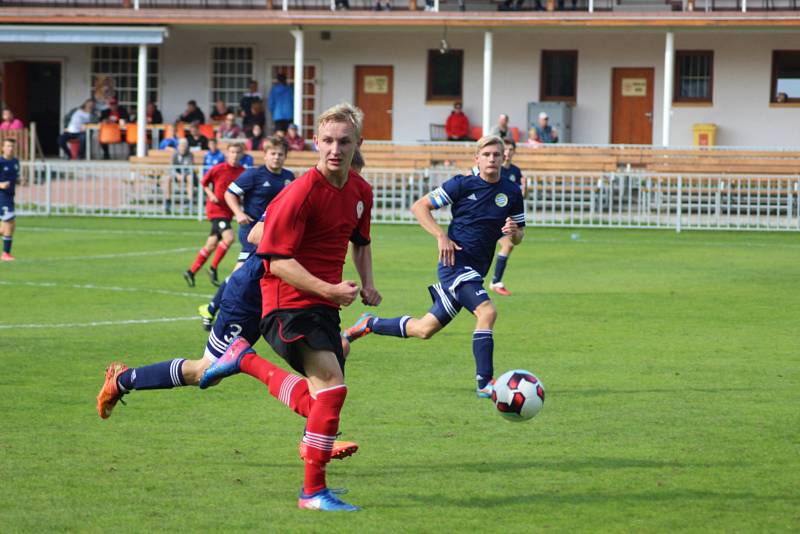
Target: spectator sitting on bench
(9, 122)
(256, 138)
(295, 140)
(545, 132)
(220, 111)
(533, 139)
(192, 114)
(457, 126)
(196, 140)
(229, 129)
(181, 171)
(113, 114)
(501, 128)
(76, 129)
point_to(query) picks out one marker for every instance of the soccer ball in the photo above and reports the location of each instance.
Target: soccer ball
(518, 395)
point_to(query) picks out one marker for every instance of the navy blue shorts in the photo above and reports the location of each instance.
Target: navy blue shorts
(247, 248)
(7, 212)
(225, 329)
(458, 287)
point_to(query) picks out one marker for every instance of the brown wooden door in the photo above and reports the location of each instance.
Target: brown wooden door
(632, 106)
(15, 88)
(375, 95)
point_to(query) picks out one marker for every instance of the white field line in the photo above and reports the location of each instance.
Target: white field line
(97, 323)
(109, 256)
(105, 231)
(108, 288)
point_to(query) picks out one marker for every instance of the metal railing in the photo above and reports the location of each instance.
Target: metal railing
(657, 7)
(620, 199)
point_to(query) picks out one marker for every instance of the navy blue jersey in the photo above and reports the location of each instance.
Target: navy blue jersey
(479, 209)
(242, 296)
(258, 187)
(9, 172)
(511, 173)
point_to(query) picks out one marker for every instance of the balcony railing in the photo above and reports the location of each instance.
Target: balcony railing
(649, 6)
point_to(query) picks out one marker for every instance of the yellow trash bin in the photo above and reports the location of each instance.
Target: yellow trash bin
(705, 134)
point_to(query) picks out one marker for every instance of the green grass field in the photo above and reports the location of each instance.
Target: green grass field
(671, 365)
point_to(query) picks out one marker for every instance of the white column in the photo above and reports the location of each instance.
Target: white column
(298, 78)
(285, 5)
(141, 103)
(591, 6)
(669, 80)
(136, 5)
(436, 5)
(744, 6)
(487, 81)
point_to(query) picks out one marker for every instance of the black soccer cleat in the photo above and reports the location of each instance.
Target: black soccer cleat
(189, 277)
(212, 275)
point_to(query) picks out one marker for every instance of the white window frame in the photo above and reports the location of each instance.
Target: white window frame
(252, 76)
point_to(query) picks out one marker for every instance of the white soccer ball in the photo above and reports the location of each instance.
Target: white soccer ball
(518, 395)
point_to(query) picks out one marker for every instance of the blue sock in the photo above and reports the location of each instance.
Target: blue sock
(7, 244)
(483, 350)
(499, 268)
(162, 375)
(216, 302)
(396, 326)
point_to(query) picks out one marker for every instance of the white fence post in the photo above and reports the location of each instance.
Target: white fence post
(48, 186)
(679, 205)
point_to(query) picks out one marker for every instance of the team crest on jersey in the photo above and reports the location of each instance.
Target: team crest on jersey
(286, 182)
(501, 200)
(359, 209)
(513, 178)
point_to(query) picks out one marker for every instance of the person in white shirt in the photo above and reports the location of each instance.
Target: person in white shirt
(76, 129)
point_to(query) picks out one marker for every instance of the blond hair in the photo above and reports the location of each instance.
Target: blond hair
(344, 112)
(487, 140)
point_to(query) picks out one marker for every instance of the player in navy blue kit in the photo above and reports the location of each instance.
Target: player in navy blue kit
(510, 172)
(484, 208)
(9, 174)
(248, 197)
(240, 314)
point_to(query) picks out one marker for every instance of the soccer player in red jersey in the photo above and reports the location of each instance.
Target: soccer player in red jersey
(215, 183)
(306, 233)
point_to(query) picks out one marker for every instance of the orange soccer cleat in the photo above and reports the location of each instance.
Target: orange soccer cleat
(340, 451)
(110, 393)
(500, 289)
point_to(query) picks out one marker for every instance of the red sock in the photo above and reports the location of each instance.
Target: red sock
(222, 249)
(202, 256)
(292, 390)
(323, 423)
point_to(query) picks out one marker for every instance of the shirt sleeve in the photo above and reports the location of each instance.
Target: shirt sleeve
(208, 177)
(285, 224)
(517, 210)
(242, 184)
(447, 194)
(360, 235)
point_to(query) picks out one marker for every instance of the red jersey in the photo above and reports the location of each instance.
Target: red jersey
(218, 178)
(312, 221)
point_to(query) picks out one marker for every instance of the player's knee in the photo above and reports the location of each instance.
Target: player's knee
(486, 312)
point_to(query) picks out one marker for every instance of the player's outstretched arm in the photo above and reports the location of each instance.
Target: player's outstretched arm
(422, 209)
(293, 273)
(362, 258)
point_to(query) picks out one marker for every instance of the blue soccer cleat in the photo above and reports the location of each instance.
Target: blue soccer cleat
(227, 364)
(486, 391)
(325, 501)
(360, 328)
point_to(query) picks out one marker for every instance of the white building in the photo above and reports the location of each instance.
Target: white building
(729, 67)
